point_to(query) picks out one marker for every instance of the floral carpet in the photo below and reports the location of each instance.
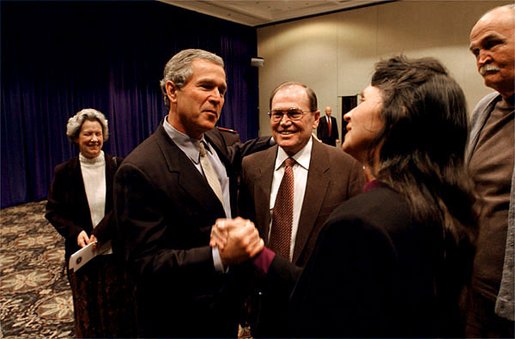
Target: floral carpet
(35, 297)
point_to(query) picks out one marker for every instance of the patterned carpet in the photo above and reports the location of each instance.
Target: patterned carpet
(35, 298)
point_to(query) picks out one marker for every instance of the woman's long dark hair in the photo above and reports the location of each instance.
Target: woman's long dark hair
(421, 155)
(423, 142)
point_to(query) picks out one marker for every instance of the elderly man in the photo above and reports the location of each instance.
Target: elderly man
(169, 192)
(490, 158)
(289, 191)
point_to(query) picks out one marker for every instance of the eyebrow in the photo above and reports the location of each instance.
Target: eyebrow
(489, 37)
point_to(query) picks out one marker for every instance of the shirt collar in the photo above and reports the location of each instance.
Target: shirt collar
(302, 157)
(188, 145)
(97, 160)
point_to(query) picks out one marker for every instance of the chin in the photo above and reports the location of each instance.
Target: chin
(345, 147)
(285, 143)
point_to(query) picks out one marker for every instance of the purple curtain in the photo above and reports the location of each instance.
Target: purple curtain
(59, 57)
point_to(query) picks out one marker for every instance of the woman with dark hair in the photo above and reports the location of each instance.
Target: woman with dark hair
(393, 261)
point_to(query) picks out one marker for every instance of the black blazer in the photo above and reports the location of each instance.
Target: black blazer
(165, 210)
(67, 208)
(376, 273)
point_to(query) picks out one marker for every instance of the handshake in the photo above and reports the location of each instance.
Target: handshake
(237, 240)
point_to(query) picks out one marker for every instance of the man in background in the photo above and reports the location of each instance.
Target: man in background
(490, 158)
(327, 129)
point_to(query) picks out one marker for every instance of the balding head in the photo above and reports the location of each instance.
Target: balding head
(492, 41)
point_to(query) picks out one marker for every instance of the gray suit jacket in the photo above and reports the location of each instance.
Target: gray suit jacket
(333, 177)
(505, 303)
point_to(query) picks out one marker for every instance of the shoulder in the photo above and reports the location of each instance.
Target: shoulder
(381, 208)
(261, 157)
(335, 155)
(230, 136)
(485, 104)
(487, 99)
(146, 149)
(67, 165)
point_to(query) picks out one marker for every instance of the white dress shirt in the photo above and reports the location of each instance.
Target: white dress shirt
(300, 178)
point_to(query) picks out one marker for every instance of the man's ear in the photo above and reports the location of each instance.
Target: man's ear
(171, 91)
(316, 114)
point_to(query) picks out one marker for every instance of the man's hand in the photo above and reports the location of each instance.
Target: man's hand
(237, 240)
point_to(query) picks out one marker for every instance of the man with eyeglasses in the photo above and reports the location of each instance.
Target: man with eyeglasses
(323, 177)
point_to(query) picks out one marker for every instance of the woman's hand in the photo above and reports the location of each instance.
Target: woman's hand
(83, 239)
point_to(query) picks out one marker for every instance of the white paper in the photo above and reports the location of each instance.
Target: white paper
(85, 254)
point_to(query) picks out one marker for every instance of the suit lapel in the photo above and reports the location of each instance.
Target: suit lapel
(262, 189)
(82, 198)
(188, 177)
(316, 188)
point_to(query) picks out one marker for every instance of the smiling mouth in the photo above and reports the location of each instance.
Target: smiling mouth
(488, 69)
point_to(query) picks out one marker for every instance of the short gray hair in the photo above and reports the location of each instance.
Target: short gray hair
(178, 68)
(75, 123)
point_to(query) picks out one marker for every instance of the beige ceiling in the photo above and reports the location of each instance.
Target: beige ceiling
(262, 12)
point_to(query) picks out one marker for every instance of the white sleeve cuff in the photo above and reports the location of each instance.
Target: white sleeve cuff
(217, 260)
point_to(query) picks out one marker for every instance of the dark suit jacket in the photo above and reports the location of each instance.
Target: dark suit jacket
(323, 131)
(376, 273)
(67, 208)
(333, 177)
(165, 210)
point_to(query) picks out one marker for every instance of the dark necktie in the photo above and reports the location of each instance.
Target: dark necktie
(329, 126)
(282, 215)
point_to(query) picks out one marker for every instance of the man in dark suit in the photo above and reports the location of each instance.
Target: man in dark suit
(324, 177)
(327, 129)
(166, 203)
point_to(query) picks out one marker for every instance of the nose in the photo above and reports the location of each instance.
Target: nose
(483, 57)
(94, 137)
(285, 119)
(347, 115)
(216, 94)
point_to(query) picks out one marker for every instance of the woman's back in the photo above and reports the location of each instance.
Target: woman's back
(375, 273)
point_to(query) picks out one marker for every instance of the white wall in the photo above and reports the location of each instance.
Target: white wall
(334, 54)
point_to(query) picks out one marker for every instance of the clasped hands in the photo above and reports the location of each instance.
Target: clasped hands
(237, 240)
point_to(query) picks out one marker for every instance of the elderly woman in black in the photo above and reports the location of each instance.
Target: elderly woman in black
(79, 207)
(393, 261)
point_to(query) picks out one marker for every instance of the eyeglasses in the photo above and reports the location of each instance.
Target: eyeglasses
(293, 114)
